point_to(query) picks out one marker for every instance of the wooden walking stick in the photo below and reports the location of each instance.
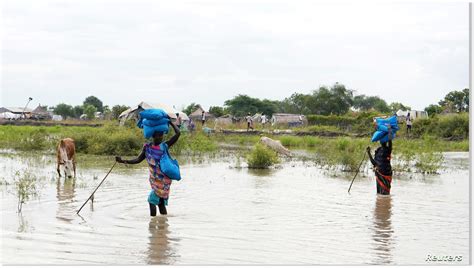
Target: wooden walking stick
(358, 169)
(97, 188)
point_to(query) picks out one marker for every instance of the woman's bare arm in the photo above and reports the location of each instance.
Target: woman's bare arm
(137, 160)
(175, 138)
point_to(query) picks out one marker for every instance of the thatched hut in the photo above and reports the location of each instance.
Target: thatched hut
(41, 113)
(197, 115)
(290, 120)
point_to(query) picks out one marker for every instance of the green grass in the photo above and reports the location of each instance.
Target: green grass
(109, 139)
(262, 157)
(411, 154)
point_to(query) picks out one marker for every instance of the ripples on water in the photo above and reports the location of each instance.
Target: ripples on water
(219, 214)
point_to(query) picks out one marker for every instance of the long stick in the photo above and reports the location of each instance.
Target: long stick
(97, 187)
(358, 169)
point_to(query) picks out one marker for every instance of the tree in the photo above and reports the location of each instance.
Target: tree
(395, 106)
(117, 110)
(107, 114)
(433, 109)
(64, 110)
(456, 101)
(90, 110)
(366, 103)
(268, 107)
(216, 111)
(94, 101)
(334, 100)
(241, 105)
(78, 110)
(297, 103)
(191, 108)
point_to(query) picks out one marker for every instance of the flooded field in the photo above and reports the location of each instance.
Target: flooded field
(222, 214)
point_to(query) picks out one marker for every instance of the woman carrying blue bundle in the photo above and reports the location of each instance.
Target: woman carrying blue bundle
(382, 165)
(154, 152)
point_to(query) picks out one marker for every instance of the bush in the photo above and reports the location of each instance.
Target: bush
(453, 126)
(36, 140)
(262, 157)
(25, 187)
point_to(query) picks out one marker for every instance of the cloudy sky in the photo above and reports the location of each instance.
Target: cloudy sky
(209, 51)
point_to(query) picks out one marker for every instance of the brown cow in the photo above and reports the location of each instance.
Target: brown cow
(66, 155)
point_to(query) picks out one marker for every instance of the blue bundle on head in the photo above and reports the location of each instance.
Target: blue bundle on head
(153, 120)
(383, 126)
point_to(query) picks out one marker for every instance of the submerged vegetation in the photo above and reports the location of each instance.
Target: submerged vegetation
(262, 157)
(419, 153)
(26, 187)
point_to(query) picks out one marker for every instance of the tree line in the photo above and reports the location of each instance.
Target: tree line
(333, 100)
(90, 106)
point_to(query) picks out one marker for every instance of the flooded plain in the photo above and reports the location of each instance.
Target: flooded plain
(220, 213)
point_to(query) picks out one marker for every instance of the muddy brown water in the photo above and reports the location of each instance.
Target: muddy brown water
(220, 214)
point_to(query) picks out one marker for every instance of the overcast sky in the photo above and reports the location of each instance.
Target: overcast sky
(209, 51)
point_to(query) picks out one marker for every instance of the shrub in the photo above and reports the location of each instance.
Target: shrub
(25, 187)
(429, 162)
(262, 157)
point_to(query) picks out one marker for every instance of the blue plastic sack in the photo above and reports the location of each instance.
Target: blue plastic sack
(383, 126)
(168, 165)
(378, 135)
(385, 138)
(154, 123)
(148, 131)
(154, 114)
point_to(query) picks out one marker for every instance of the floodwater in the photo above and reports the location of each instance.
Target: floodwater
(221, 214)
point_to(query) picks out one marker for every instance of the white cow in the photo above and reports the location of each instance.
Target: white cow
(275, 145)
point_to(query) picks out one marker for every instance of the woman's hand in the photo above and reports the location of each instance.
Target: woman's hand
(119, 159)
(368, 149)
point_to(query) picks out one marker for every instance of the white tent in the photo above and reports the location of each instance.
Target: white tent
(413, 114)
(9, 115)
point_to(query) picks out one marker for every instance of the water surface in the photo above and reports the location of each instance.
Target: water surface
(220, 214)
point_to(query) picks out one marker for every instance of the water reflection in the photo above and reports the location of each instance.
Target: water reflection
(65, 196)
(158, 247)
(261, 172)
(382, 230)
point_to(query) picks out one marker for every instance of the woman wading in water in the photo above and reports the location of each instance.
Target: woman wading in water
(159, 182)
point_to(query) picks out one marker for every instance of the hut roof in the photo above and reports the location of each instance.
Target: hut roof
(17, 110)
(198, 112)
(40, 110)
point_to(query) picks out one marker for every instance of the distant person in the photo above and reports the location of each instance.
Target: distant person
(249, 122)
(179, 121)
(159, 182)
(382, 165)
(191, 125)
(263, 119)
(203, 118)
(409, 123)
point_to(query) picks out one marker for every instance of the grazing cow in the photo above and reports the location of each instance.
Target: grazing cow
(275, 145)
(66, 155)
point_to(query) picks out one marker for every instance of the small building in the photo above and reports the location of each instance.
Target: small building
(134, 111)
(414, 114)
(290, 120)
(41, 113)
(197, 115)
